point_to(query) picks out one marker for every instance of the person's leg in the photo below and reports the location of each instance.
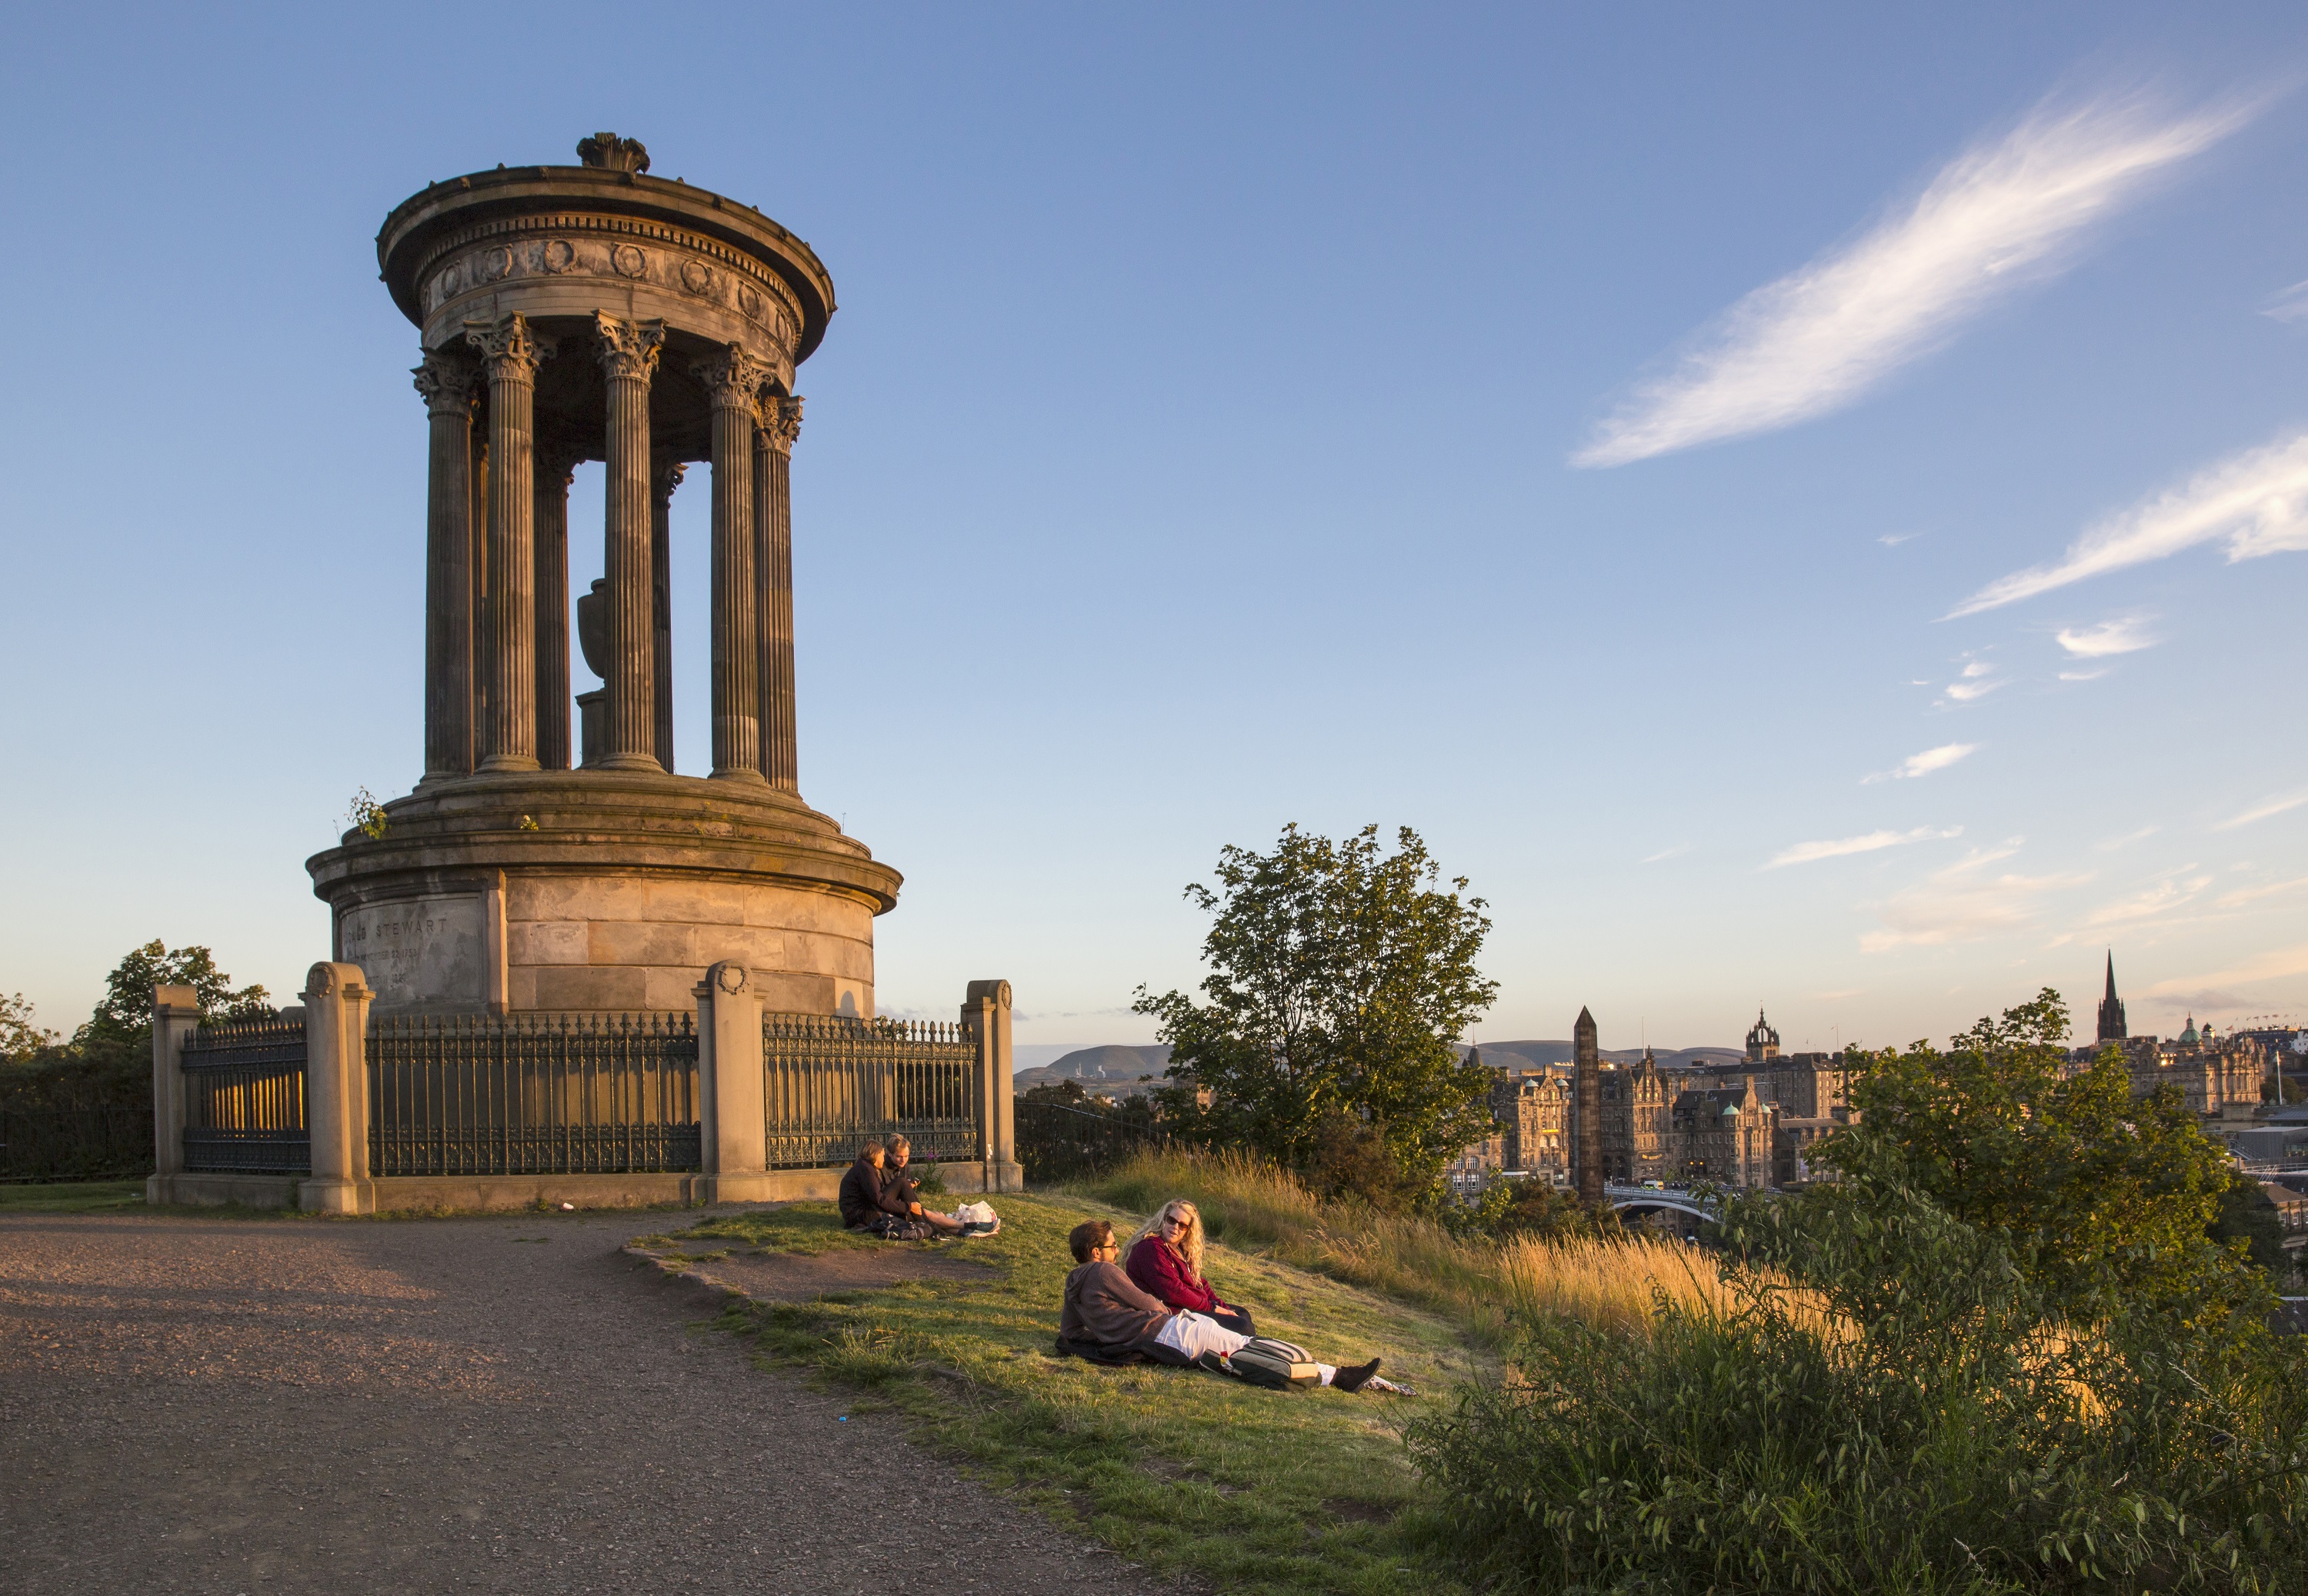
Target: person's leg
(1237, 1319)
(1191, 1335)
(945, 1224)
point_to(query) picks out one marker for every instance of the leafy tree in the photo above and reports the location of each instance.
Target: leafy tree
(2088, 1187)
(1340, 977)
(109, 1061)
(20, 1040)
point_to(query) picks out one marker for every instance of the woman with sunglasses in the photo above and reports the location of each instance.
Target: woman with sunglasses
(1166, 1262)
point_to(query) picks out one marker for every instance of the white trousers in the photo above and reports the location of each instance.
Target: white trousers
(1193, 1334)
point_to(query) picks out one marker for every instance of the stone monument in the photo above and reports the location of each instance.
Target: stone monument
(595, 312)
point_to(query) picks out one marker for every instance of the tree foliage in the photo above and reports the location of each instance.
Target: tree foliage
(108, 1060)
(2090, 1187)
(1339, 978)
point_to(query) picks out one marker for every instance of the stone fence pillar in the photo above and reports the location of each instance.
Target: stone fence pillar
(336, 1091)
(175, 1013)
(733, 1137)
(985, 1018)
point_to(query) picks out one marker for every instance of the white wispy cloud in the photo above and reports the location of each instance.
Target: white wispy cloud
(2273, 965)
(2128, 839)
(2257, 500)
(1996, 217)
(1924, 763)
(2120, 634)
(2261, 811)
(1977, 681)
(2175, 888)
(2083, 675)
(2252, 895)
(1893, 540)
(1963, 902)
(1665, 854)
(1809, 853)
(2290, 304)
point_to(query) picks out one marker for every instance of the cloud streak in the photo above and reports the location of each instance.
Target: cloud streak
(1924, 763)
(1810, 852)
(2257, 500)
(1964, 903)
(2123, 634)
(1998, 216)
(2261, 811)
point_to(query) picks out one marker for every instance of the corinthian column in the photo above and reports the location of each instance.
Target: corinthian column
(629, 352)
(555, 467)
(509, 354)
(446, 382)
(773, 442)
(662, 482)
(731, 380)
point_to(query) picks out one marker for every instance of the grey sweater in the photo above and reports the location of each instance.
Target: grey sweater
(1105, 1307)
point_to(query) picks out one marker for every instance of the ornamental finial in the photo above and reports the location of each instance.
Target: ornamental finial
(614, 154)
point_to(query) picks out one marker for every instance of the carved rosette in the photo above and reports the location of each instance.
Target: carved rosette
(733, 378)
(628, 348)
(446, 382)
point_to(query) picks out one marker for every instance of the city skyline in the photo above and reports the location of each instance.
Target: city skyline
(1800, 509)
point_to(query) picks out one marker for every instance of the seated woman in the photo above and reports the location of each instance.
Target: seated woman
(1105, 1313)
(1164, 1258)
(860, 1196)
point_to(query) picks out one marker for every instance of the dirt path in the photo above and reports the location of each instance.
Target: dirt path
(493, 1404)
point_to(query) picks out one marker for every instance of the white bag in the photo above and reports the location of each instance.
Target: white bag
(979, 1213)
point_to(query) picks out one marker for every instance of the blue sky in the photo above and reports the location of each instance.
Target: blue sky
(1803, 507)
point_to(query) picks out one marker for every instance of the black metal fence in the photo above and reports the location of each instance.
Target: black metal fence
(532, 1094)
(244, 1097)
(829, 1084)
(1058, 1143)
(75, 1144)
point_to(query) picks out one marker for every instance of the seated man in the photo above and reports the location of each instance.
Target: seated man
(1106, 1312)
(901, 1195)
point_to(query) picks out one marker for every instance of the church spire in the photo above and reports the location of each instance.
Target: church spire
(2110, 1007)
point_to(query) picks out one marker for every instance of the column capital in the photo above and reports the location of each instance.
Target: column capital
(733, 377)
(445, 379)
(779, 418)
(665, 475)
(508, 348)
(628, 348)
(558, 459)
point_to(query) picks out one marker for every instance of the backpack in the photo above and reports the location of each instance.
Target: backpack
(1275, 1364)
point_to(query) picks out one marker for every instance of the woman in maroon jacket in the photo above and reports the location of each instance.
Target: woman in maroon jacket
(1166, 1263)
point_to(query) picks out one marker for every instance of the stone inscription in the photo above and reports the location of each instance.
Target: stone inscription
(420, 951)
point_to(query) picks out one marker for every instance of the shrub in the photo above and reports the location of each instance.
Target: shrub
(1911, 1414)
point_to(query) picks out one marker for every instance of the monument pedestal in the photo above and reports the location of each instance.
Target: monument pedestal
(604, 891)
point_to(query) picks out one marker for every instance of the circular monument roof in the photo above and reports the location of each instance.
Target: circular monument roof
(619, 186)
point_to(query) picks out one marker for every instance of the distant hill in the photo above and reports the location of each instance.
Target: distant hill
(1113, 1068)
(1532, 1055)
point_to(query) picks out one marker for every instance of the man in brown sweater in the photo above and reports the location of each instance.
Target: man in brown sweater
(1106, 1310)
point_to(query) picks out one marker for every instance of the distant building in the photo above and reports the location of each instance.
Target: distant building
(1724, 1136)
(2111, 1010)
(1638, 1123)
(1533, 1109)
(1762, 1041)
(2222, 1079)
(1477, 1166)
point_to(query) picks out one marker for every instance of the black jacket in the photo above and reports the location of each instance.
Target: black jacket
(861, 1195)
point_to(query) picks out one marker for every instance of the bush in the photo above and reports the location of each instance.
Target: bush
(1910, 1413)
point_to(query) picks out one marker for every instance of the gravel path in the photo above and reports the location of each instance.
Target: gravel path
(502, 1404)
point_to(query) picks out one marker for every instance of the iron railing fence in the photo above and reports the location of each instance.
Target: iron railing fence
(829, 1084)
(532, 1095)
(75, 1144)
(244, 1097)
(1059, 1143)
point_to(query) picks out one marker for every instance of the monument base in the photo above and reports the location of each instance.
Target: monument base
(603, 891)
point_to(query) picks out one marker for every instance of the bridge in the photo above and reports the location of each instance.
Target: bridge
(1636, 1201)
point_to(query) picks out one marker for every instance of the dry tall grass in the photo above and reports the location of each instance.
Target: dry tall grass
(1247, 1203)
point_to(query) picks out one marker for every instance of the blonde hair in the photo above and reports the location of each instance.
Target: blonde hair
(1190, 1245)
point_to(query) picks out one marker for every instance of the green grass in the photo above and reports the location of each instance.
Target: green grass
(1186, 1472)
(72, 1196)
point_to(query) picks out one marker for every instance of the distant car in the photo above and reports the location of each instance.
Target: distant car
(1653, 1185)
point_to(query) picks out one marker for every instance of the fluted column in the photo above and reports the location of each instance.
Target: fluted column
(555, 467)
(510, 353)
(477, 579)
(446, 382)
(773, 442)
(731, 380)
(629, 353)
(663, 481)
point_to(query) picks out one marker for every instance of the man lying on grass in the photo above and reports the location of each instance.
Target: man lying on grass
(1105, 1312)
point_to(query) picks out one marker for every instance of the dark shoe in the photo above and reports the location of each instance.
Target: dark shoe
(1351, 1380)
